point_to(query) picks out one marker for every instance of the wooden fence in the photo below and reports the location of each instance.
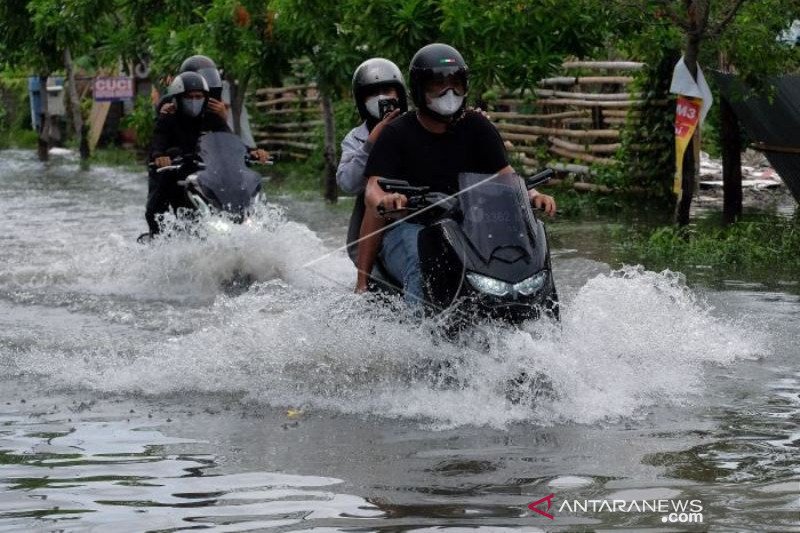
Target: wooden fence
(578, 119)
(292, 115)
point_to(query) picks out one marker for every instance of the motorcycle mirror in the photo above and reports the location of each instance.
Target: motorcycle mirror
(400, 186)
(538, 179)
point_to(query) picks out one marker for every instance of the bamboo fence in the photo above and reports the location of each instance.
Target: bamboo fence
(291, 116)
(577, 120)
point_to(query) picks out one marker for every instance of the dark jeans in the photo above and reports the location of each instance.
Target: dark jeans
(163, 192)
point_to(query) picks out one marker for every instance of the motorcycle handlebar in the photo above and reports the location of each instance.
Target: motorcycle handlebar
(540, 178)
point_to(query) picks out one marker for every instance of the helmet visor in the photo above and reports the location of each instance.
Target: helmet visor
(437, 81)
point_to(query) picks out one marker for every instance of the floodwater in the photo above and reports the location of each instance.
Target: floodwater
(234, 383)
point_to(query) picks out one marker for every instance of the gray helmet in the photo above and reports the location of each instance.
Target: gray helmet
(204, 66)
(377, 72)
(186, 82)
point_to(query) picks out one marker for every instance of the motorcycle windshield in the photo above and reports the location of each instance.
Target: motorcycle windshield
(497, 215)
(225, 177)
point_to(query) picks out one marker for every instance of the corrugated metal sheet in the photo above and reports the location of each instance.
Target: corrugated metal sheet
(774, 122)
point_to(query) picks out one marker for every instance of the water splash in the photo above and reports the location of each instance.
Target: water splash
(628, 340)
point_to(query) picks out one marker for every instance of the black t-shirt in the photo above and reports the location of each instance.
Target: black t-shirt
(176, 131)
(406, 150)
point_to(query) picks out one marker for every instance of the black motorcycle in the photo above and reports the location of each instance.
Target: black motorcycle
(216, 180)
(483, 252)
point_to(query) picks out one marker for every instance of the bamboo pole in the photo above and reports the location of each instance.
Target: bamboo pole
(289, 88)
(620, 113)
(547, 116)
(285, 135)
(589, 96)
(571, 168)
(281, 100)
(523, 149)
(519, 137)
(590, 120)
(294, 144)
(314, 109)
(590, 103)
(601, 148)
(294, 125)
(539, 130)
(586, 80)
(581, 156)
(608, 65)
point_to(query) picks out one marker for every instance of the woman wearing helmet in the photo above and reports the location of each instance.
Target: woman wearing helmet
(177, 134)
(430, 147)
(380, 96)
(219, 100)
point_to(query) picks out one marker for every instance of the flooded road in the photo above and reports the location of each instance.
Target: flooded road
(234, 383)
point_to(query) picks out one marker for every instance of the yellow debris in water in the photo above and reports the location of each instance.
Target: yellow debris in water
(294, 413)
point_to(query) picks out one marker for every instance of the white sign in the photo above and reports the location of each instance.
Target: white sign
(683, 83)
(113, 89)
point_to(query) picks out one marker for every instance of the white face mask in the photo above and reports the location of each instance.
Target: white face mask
(192, 107)
(446, 104)
(371, 103)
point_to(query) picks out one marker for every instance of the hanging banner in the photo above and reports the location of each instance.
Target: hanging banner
(687, 117)
(112, 89)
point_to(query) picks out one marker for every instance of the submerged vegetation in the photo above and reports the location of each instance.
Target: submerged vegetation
(762, 248)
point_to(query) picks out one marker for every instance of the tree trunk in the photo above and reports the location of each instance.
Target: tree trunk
(43, 145)
(81, 131)
(331, 190)
(731, 163)
(697, 11)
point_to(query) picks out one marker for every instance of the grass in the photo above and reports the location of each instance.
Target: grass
(114, 156)
(762, 248)
(22, 139)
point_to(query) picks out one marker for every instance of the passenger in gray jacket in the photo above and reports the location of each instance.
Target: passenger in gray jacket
(380, 96)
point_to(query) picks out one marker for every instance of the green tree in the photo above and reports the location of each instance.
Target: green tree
(743, 31)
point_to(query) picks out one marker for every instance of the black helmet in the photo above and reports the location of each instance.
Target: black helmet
(432, 61)
(184, 83)
(377, 72)
(204, 66)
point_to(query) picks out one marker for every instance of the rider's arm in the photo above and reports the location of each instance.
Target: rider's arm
(494, 150)
(355, 152)
(163, 136)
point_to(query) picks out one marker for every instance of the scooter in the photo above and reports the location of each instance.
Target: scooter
(217, 180)
(483, 252)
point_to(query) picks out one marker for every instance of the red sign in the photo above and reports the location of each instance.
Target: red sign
(113, 89)
(687, 112)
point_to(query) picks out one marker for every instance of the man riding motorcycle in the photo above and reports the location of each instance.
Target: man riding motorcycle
(176, 134)
(428, 148)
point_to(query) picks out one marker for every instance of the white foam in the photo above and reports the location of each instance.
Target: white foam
(628, 340)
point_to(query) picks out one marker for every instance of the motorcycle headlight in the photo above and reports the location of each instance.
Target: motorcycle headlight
(488, 285)
(532, 285)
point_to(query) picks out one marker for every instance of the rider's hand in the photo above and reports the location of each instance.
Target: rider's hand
(262, 156)
(393, 201)
(168, 109)
(481, 111)
(218, 108)
(544, 202)
(162, 161)
(376, 131)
